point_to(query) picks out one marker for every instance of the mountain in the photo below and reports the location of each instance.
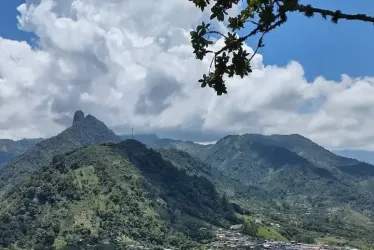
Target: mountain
(272, 162)
(144, 138)
(120, 193)
(9, 149)
(305, 148)
(285, 179)
(314, 190)
(84, 131)
(154, 141)
(185, 161)
(361, 155)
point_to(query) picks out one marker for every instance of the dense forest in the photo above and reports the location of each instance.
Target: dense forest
(121, 193)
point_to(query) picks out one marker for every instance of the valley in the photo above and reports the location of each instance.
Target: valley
(88, 186)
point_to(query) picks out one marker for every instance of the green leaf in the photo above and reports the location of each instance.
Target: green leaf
(193, 33)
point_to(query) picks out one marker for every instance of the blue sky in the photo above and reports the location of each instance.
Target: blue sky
(278, 100)
(8, 21)
(320, 46)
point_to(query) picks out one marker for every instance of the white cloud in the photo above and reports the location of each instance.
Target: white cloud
(130, 63)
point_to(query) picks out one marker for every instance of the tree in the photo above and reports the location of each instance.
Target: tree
(264, 16)
(250, 228)
(305, 238)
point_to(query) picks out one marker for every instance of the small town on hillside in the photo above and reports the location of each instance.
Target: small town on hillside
(232, 239)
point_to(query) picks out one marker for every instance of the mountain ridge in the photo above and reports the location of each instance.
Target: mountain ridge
(120, 193)
(361, 155)
(269, 175)
(291, 175)
(84, 131)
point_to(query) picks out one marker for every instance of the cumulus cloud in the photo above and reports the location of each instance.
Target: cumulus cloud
(130, 63)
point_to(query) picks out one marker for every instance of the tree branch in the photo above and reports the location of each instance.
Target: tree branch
(259, 45)
(266, 15)
(215, 32)
(334, 14)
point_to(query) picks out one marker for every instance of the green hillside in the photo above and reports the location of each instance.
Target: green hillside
(84, 131)
(184, 160)
(291, 180)
(117, 193)
(311, 194)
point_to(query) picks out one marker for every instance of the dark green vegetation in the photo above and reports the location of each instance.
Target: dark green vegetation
(288, 180)
(145, 138)
(184, 160)
(258, 16)
(62, 191)
(84, 131)
(9, 149)
(122, 193)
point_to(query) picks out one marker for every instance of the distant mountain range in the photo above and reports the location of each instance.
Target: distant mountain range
(361, 155)
(9, 149)
(87, 185)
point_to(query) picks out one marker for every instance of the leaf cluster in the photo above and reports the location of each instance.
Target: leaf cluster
(264, 16)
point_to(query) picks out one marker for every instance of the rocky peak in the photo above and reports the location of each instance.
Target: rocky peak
(78, 117)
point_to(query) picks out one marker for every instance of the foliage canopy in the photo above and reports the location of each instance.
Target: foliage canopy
(265, 15)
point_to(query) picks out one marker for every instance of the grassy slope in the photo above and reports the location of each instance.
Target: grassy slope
(270, 233)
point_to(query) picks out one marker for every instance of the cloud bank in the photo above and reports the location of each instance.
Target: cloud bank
(130, 63)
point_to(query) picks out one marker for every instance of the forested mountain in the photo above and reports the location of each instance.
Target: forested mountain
(118, 193)
(288, 180)
(84, 131)
(268, 161)
(290, 164)
(10, 149)
(144, 138)
(156, 142)
(316, 190)
(282, 165)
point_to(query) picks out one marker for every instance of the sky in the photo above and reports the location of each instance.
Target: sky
(324, 48)
(130, 64)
